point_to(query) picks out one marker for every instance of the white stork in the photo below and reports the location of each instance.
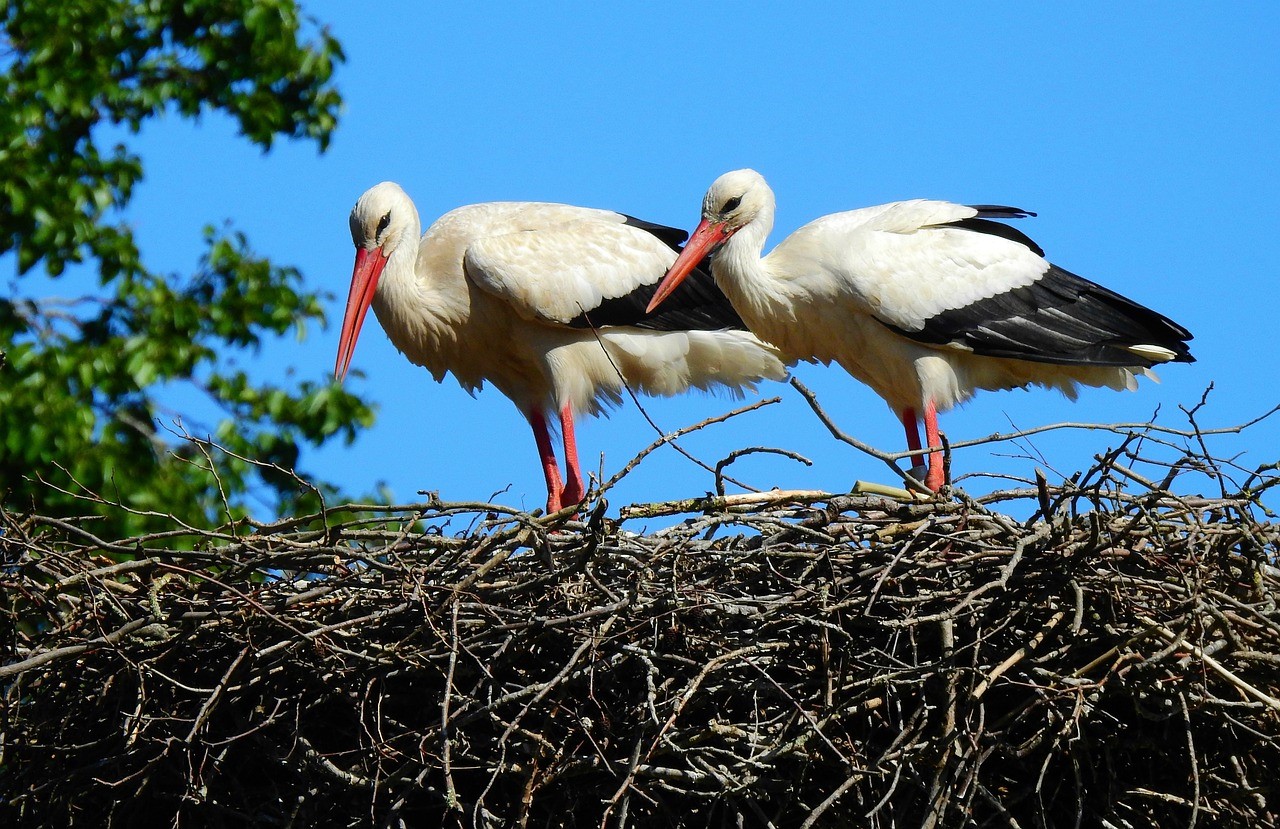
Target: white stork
(924, 301)
(547, 303)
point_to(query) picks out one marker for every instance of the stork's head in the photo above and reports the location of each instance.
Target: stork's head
(382, 218)
(735, 200)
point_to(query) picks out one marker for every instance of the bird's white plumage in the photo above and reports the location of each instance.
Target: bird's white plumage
(530, 267)
(825, 293)
(580, 261)
(899, 262)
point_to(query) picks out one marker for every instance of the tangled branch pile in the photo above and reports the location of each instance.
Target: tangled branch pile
(848, 660)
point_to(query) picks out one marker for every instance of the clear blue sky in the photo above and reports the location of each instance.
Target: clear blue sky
(1145, 136)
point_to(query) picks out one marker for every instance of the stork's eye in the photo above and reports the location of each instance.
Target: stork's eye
(383, 222)
(732, 204)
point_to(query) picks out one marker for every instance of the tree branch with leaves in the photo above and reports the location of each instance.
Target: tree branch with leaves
(79, 382)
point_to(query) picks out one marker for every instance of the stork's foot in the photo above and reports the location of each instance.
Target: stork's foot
(935, 478)
(930, 478)
(572, 494)
(565, 497)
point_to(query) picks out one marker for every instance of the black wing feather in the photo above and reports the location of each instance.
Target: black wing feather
(672, 237)
(1001, 211)
(1060, 318)
(697, 304)
(1004, 231)
(982, 224)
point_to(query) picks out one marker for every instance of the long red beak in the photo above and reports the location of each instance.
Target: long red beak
(706, 238)
(364, 282)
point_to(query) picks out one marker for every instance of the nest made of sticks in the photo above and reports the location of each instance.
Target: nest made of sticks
(848, 660)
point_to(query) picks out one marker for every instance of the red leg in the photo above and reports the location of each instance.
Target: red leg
(913, 435)
(934, 479)
(547, 454)
(574, 487)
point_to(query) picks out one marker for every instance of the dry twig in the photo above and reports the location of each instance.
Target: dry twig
(846, 659)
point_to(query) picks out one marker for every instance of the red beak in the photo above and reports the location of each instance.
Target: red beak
(364, 282)
(708, 236)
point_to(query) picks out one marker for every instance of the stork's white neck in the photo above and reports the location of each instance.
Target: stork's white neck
(401, 265)
(423, 299)
(740, 270)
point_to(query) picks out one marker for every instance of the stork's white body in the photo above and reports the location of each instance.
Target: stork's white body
(826, 291)
(504, 293)
(492, 288)
(924, 301)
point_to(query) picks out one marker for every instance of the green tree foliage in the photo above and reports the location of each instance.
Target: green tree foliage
(79, 378)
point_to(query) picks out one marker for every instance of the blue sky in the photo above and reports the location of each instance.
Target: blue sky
(1144, 135)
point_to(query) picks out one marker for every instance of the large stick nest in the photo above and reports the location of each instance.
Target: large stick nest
(846, 660)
